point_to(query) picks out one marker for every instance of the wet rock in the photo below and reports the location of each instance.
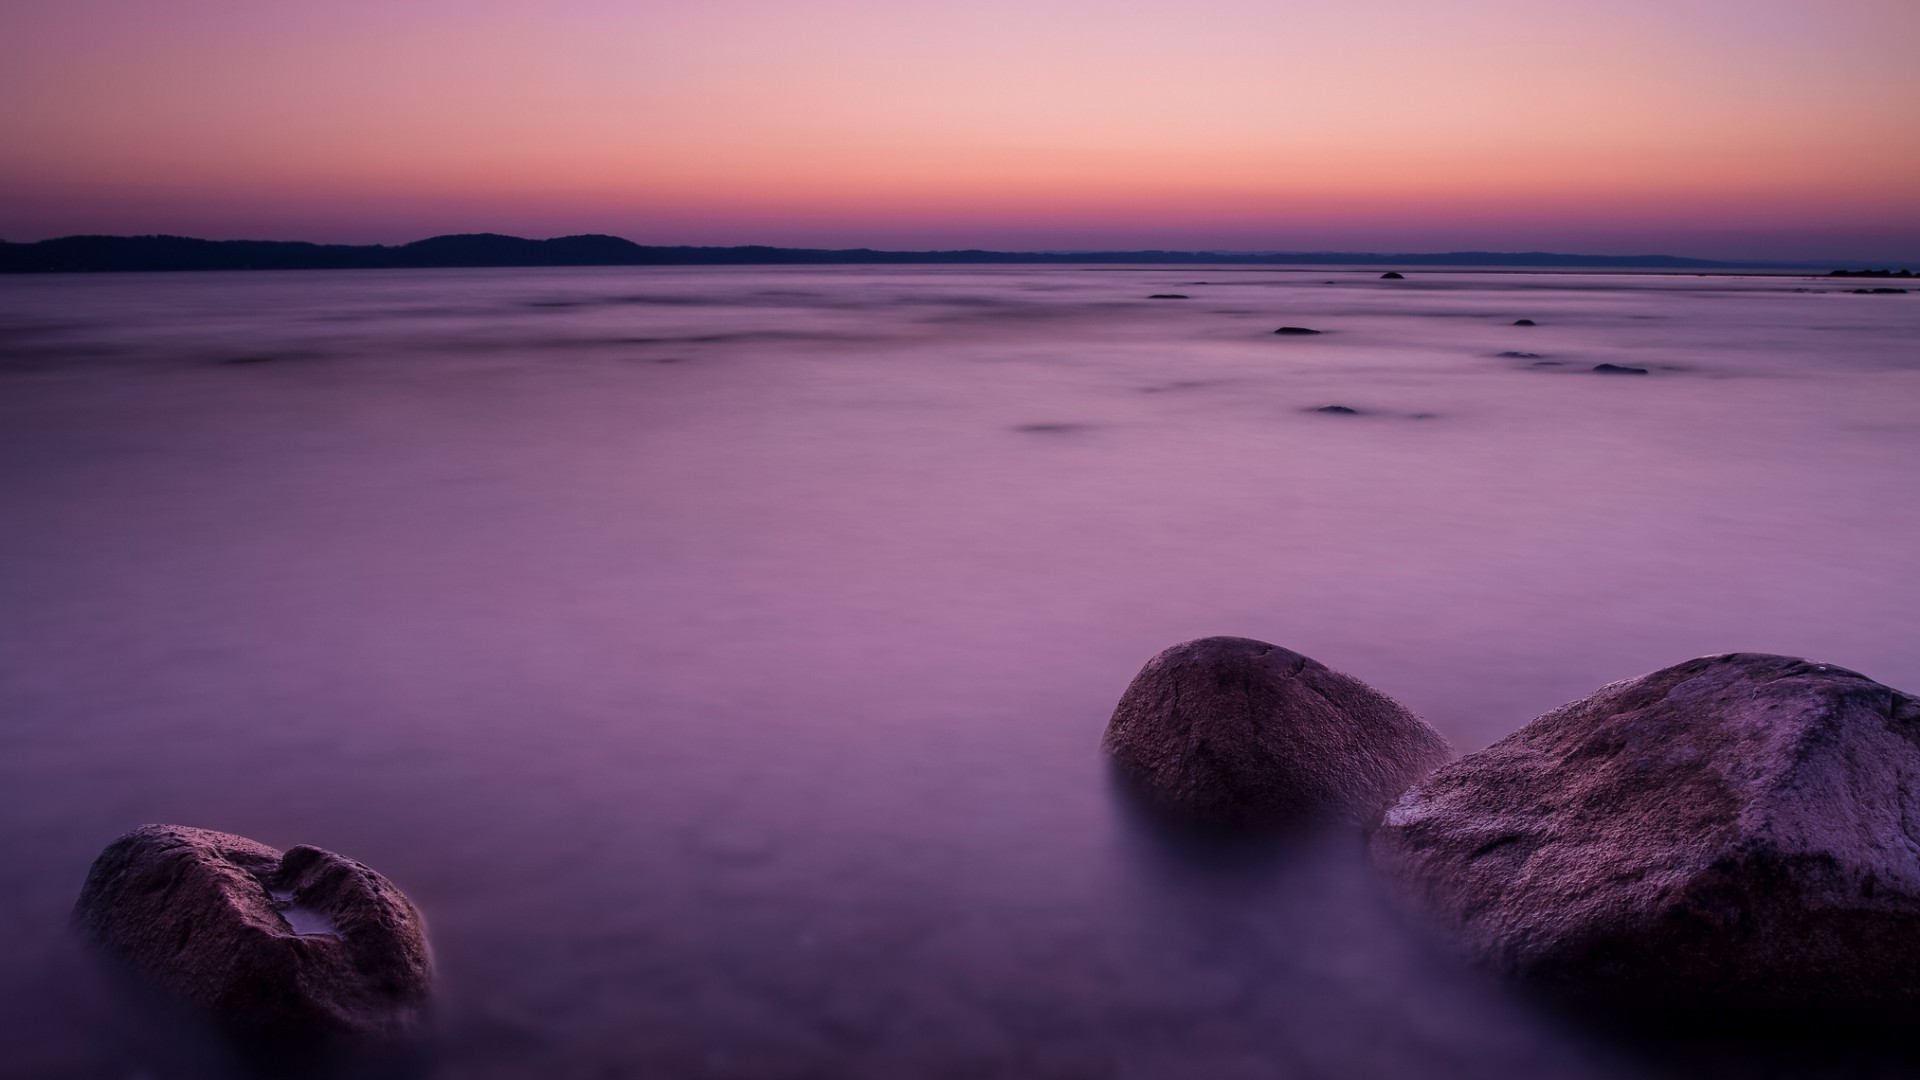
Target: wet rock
(1295, 330)
(305, 945)
(1169, 296)
(1524, 322)
(1393, 275)
(1735, 834)
(1338, 410)
(1234, 732)
(1618, 369)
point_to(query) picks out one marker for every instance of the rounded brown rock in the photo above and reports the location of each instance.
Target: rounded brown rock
(305, 944)
(1236, 732)
(1736, 834)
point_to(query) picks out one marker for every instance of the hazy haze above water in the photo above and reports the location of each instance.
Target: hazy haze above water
(719, 656)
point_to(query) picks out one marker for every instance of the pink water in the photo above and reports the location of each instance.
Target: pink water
(718, 657)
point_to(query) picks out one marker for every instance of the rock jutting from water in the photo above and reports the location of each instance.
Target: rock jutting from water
(1234, 732)
(1524, 322)
(1618, 369)
(1736, 834)
(305, 945)
(1294, 330)
(1393, 275)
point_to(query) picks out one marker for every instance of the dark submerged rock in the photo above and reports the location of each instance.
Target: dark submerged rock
(1338, 410)
(1735, 835)
(1393, 275)
(1618, 369)
(1524, 322)
(1295, 330)
(1169, 296)
(1515, 354)
(1234, 732)
(305, 945)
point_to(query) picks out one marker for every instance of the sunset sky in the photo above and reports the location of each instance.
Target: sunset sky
(1716, 128)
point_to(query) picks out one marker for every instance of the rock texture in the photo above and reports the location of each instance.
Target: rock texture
(1735, 833)
(1236, 732)
(302, 945)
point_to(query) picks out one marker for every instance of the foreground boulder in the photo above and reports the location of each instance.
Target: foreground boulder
(1236, 732)
(295, 946)
(1735, 833)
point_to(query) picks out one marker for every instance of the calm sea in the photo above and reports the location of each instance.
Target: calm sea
(718, 657)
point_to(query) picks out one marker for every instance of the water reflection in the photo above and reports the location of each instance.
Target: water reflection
(719, 657)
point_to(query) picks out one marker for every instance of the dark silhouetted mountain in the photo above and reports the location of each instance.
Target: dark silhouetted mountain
(73, 254)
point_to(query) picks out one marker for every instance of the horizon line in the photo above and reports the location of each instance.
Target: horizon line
(586, 249)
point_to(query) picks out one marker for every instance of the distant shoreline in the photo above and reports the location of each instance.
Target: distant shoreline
(106, 254)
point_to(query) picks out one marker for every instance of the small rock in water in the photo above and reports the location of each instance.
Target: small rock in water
(1295, 330)
(1169, 296)
(1738, 832)
(1524, 322)
(1235, 732)
(1338, 410)
(1393, 275)
(305, 945)
(1618, 369)
(1517, 355)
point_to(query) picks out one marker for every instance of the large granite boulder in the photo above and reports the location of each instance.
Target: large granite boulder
(302, 945)
(1735, 834)
(1231, 731)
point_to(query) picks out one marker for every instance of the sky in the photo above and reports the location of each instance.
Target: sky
(1744, 129)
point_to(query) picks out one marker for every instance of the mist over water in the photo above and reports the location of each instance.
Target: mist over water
(719, 657)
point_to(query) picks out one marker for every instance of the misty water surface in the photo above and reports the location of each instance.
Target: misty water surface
(719, 657)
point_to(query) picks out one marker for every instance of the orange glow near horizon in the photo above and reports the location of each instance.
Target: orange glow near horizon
(1764, 128)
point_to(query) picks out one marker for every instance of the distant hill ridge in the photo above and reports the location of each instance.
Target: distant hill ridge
(81, 254)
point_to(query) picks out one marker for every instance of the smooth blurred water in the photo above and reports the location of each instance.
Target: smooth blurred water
(718, 657)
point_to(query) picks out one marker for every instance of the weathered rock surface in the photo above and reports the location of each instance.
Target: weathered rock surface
(1735, 833)
(302, 945)
(1237, 732)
